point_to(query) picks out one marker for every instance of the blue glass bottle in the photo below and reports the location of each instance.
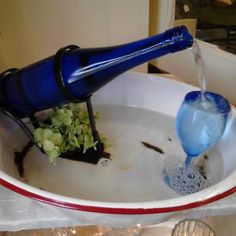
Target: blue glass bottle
(83, 71)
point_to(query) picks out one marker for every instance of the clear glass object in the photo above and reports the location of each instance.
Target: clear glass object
(200, 124)
(192, 228)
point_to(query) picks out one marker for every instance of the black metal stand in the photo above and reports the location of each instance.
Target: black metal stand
(7, 111)
(91, 156)
(3, 78)
(70, 98)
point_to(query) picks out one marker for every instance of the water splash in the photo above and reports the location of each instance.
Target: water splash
(186, 180)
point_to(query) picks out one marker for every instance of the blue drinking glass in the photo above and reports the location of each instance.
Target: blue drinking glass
(200, 124)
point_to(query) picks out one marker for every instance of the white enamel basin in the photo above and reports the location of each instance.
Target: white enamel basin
(128, 189)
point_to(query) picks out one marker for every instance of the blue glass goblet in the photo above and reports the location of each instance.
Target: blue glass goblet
(200, 124)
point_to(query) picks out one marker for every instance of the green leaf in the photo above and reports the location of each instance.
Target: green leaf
(67, 128)
(48, 145)
(57, 139)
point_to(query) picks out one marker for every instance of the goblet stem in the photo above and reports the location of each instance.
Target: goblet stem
(186, 167)
(187, 161)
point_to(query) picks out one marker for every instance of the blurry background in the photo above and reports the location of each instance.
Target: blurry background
(33, 29)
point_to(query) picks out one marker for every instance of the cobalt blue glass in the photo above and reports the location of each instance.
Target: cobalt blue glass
(200, 124)
(201, 121)
(83, 71)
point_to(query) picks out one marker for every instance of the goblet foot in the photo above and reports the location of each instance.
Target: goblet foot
(185, 179)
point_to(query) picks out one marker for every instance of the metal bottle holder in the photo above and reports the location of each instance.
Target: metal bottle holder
(91, 156)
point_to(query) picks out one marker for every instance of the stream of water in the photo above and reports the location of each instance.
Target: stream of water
(187, 178)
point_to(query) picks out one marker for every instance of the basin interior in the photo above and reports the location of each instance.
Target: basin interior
(134, 108)
(134, 173)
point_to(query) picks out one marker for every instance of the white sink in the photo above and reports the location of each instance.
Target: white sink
(129, 189)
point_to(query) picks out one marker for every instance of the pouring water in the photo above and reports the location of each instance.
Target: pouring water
(200, 124)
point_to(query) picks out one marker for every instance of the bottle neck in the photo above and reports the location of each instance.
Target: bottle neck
(179, 37)
(138, 52)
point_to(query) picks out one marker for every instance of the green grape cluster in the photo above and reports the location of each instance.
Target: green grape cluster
(67, 128)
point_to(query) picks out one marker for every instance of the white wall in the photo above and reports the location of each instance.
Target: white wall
(162, 15)
(3, 63)
(161, 18)
(33, 29)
